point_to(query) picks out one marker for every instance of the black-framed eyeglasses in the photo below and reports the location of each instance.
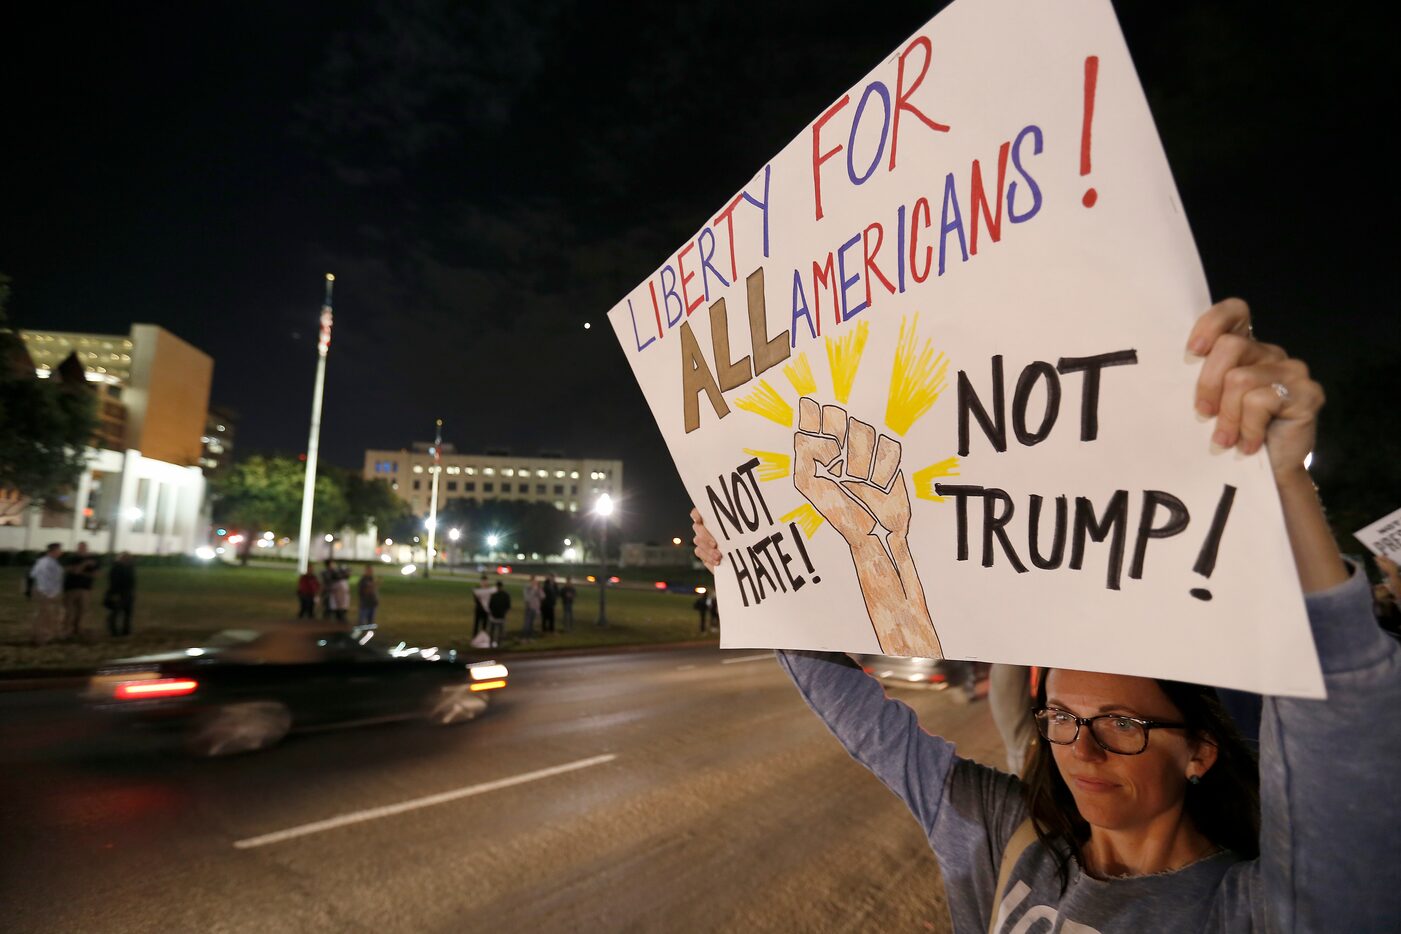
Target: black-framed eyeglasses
(1114, 732)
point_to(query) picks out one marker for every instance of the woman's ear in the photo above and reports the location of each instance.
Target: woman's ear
(1204, 754)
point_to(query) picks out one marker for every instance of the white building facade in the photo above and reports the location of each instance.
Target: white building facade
(568, 484)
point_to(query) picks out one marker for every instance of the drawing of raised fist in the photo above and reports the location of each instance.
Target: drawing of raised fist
(852, 477)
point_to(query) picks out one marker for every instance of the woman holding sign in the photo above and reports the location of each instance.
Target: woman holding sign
(1140, 810)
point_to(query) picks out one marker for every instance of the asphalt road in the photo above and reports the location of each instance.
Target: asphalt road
(678, 790)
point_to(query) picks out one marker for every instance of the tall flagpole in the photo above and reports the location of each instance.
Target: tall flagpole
(314, 439)
(433, 499)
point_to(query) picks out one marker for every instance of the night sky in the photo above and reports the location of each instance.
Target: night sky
(484, 177)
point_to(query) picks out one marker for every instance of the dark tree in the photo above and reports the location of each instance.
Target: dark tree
(45, 424)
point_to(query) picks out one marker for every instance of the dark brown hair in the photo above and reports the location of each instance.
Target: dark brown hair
(1224, 807)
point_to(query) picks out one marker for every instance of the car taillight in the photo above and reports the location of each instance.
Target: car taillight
(155, 687)
(488, 685)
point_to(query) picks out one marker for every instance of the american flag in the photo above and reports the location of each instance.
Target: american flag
(324, 344)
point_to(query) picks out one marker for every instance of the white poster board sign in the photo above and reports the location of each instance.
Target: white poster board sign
(925, 377)
(1383, 537)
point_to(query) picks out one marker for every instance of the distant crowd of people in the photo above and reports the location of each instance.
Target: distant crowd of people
(60, 586)
(548, 604)
(332, 590)
(540, 599)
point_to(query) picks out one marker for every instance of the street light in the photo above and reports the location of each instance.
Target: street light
(454, 534)
(676, 541)
(603, 509)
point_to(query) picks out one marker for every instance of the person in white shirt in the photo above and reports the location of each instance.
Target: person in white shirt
(47, 578)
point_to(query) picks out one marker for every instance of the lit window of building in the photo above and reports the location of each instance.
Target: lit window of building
(559, 474)
(507, 472)
(418, 468)
(489, 471)
(542, 473)
(573, 475)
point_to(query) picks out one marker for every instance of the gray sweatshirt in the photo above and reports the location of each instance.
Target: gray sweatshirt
(1330, 840)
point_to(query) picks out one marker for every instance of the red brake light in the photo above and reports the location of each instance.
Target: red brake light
(156, 687)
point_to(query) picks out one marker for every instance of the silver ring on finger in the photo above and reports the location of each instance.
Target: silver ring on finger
(1281, 390)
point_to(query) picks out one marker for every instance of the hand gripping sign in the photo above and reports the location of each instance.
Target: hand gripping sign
(924, 376)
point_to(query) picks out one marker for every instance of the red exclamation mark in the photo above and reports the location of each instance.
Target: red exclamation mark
(1091, 76)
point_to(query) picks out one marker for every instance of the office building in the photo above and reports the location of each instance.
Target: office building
(143, 490)
(568, 484)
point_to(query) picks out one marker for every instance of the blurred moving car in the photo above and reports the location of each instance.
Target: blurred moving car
(247, 688)
(935, 673)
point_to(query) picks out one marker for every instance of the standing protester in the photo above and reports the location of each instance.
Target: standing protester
(1142, 809)
(338, 598)
(368, 592)
(120, 596)
(480, 615)
(79, 571)
(328, 579)
(704, 604)
(497, 608)
(47, 588)
(1009, 695)
(307, 589)
(549, 592)
(532, 597)
(566, 597)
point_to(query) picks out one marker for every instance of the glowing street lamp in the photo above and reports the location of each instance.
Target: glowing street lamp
(603, 509)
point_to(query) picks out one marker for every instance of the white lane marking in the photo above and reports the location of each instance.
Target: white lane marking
(389, 810)
(746, 658)
(684, 667)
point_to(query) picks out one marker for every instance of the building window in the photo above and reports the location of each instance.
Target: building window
(539, 489)
(470, 486)
(573, 489)
(559, 505)
(470, 471)
(559, 474)
(488, 488)
(523, 488)
(452, 486)
(507, 472)
(573, 475)
(489, 471)
(559, 489)
(573, 507)
(542, 473)
(418, 468)
(417, 484)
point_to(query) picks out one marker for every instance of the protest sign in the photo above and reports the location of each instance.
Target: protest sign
(1383, 537)
(925, 377)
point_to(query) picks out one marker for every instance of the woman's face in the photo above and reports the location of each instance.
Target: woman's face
(1117, 792)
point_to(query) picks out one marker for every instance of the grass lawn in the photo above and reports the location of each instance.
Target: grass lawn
(177, 606)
